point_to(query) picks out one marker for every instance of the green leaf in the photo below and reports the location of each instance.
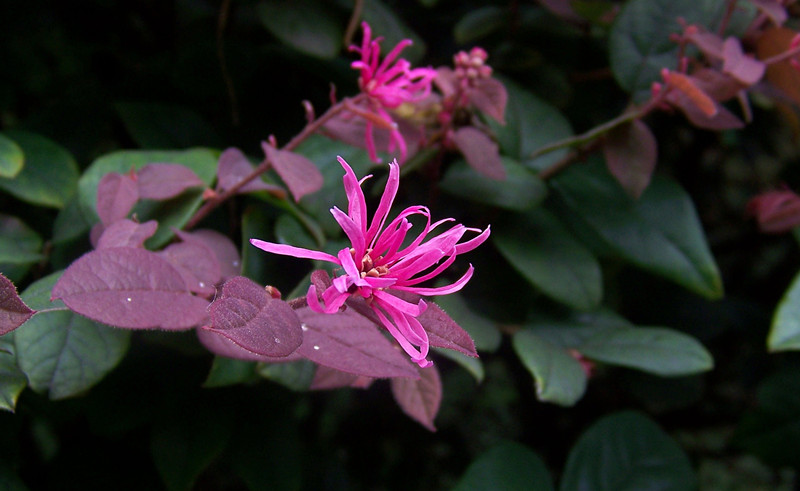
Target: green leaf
(61, 352)
(627, 451)
(468, 363)
(785, 331)
(639, 42)
(479, 23)
(559, 377)
(227, 371)
(70, 222)
(520, 190)
(656, 350)
(482, 330)
(660, 232)
(771, 430)
(507, 466)
(387, 24)
(531, 124)
(9, 480)
(160, 126)
(11, 158)
(19, 247)
(49, 175)
(170, 214)
(305, 25)
(295, 375)
(550, 258)
(12, 380)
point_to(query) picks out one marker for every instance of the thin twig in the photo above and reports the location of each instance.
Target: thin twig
(352, 25)
(224, 11)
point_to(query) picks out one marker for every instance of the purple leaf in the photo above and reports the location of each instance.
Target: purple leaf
(300, 174)
(490, 97)
(223, 248)
(245, 314)
(709, 43)
(221, 345)
(233, 167)
(420, 399)
(446, 81)
(116, 195)
(126, 233)
(13, 311)
(772, 9)
(444, 332)
(480, 152)
(743, 68)
(328, 378)
(131, 288)
(721, 120)
(196, 263)
(631, 153)
(351, 343)
(165, 181)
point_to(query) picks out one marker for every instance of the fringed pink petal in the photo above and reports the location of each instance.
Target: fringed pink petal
(287, 250)
(357, 205)
(389, 193)
(442, 290)
(474, 242)
(352, 230)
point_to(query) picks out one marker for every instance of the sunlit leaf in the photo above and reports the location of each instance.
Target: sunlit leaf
(11, 158)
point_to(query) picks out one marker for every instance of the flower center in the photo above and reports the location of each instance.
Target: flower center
(367, 266)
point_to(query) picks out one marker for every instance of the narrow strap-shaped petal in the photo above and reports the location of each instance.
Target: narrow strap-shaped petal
(287, 250)
(433, 274)
(474, 242)
(398, 304)
(357, 205)
(404, 343)
(389, 193)
(442, 290)
(352, 230)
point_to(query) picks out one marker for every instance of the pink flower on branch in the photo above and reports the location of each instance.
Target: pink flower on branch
(377, 263)
(388, 84)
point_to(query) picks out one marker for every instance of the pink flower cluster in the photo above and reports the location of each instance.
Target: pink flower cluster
(377, 263)
(389, 84)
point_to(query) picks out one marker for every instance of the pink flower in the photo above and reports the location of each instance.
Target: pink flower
(389, 84)
(376, 263)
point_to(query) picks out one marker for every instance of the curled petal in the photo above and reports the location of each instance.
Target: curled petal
(442, 290)
(287, 250)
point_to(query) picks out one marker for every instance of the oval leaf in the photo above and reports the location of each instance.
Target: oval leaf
(631, 151)
(13, 311)
(233, 167)
(245, 314)
(165, 181)
(420, 398)
(785, 331)
(116, 195)
(519, 191)
(480, 152)
(304, 25)
(656, 350)
(126, 233)
(12, 379)
(625, 452)
(49, 175)
(300, 174)
(131, 288)
(549, 257)
(221, 345)
(508, 466)
(19, 247)
(351, 343)
(11, 158)
(559, 377)
(223, 248)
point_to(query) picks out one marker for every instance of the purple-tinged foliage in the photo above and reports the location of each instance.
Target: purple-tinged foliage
(233, 167)
(221, 345)
(244, 313)
(444, 332)
(349, 342)
(116, 195)
(420, 398)
(480, 152)
(326, 378)
(197, 264)
(131, 288)
(743, 68)
(631, 153)
(126, 233)
(300, 174)
(222, 247)
(165, 181)
(13, 311)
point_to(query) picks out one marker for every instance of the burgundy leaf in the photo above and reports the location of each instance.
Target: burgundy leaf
(219, 344)
(772, 9)
(223, 248)
(490, 97)
(165, 181)
(245, 314)
(480, 152)
(351, 129)
(116, 195)
(233, 167)
(351, 343)
(740, 66)
(300, 174)
(719, 86)
(13, 311)
(630, 152)
(129, 287)
(95, 233)
(126, 233)
(446, 81)
(196, 263)
(444, 332)
(328, 378)
(708, 42)
(721, 120)
(420, 399)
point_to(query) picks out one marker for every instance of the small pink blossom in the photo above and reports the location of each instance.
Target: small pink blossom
(389, 84)
(376, 263)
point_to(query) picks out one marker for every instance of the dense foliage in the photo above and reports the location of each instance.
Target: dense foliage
(572, 267)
